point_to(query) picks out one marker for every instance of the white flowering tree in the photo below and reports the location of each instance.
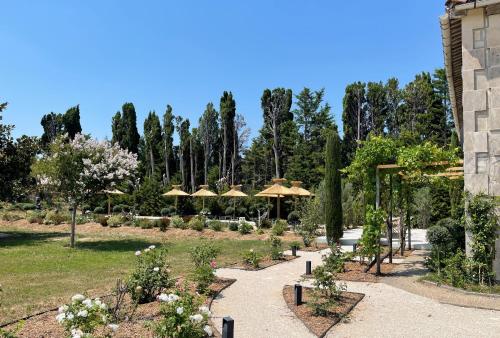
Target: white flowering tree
(83, 167)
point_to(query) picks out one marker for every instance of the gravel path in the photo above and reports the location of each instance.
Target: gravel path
(256, 304)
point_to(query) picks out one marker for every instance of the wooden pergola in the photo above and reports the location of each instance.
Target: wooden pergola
(450, 171)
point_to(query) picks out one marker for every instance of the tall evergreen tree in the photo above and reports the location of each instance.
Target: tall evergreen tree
(53, 126)
(182, 127)
(130, 140)
(376, 107)
(209, 130)
(333, 188)
(152, 140)
(354, 119)
(227, 115)
(276, 106)
(168, 140)
(71, 121)
(116, 129)
(394, 100)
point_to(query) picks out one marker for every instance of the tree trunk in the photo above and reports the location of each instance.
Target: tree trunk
(181, 160)
(73, 226)
(233, 158)
(191, 165)
(224, 150)
(359, 119)
(275, 149)
(205, 167)
(152, 160)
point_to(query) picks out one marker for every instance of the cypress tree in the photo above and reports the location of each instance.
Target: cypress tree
(129, 128)
(333, 188)
(71, 121)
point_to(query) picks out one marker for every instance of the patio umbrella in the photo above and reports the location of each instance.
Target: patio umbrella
(279, 190)
(204, 192)
(298, 191)
(109, 193)
(176, 192)
(235, 192)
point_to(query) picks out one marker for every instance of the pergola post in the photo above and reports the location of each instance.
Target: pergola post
(389, 227)
(377, 206)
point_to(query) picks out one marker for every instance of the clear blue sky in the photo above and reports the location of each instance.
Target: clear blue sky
(100, 54)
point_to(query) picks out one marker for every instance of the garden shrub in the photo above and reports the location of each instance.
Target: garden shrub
(116, 220)
(241, 211)
(229, 211)
(326, 291)
(295, 244)
(215, 225)
(266, 223)
(83, 316)
(197, 223)
(55, 217)
(82, 219)
(245, 228)
(439, 237)
(10, 217)
(310, 218)
(86, 208)
(335, 260)
(457, 232)
(293, 218)
(279, 227)
(150, 276)
(164, 223)
(203, 257)
(99, 210)
(456, 271)
(27, 206)
(251, 257)
(275, 248)
(182, 316)
(165, 212)
(233, 226)
(34, 217)
(117, 208)
(178, 222)
(102, 220)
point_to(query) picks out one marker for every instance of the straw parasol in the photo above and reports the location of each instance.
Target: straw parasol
(279, 190)
(176, 192)
(235, 192)
(298, 190)
(204, 192)
(109, 193)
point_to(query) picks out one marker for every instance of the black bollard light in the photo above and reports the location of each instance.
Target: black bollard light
(227, 327)
(354, 247)
(308, 267)
(298, 294)
(294, 251)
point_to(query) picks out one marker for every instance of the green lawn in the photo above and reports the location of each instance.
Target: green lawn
(38, 270)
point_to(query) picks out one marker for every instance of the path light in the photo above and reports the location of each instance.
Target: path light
(308, 267)
(227, 327)
(354, 247)
(298, 294)
(294, 250)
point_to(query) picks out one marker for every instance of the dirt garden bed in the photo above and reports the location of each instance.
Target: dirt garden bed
(263, 264)
(318, 325)
(355, 272)
(46, 326)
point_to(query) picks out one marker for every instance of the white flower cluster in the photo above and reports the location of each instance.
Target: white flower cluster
(148, 249)
(168, 298)
(80, 310)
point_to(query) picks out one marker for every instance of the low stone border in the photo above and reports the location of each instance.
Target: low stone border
(239, 266)
(227, 283)
(465, 292)
(319, 326)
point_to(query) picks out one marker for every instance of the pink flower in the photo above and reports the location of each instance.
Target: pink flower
(213, 264)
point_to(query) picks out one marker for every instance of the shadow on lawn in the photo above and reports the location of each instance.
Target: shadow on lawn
(14, 238)
(116, 245)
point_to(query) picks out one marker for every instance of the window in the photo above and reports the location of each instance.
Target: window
(481, 121)
(479, 36)
(481, 163)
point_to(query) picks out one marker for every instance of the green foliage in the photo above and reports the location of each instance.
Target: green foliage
(125, 128)
(311, 216)
(422, 206)
(99, 210)
(333, 188)
(245, 228)
(178, 222)
(293, 218)
(275, 248)
(482, 222)
(55, 217)
(197, 223)
(326, 292)
(439, 237)
(116, 220)
(279, 227)
(229, 211)
(352, 206)
(251, 257)
(203, 258)
(335, 260)
(181, 316)
(150, 276)
(34, 217)
(102, 220)
(164, 224)
(416, 159)
(215, 225)
(370, 239)
(148, 198)
(234, 226)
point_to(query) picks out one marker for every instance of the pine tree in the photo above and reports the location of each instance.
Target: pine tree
(394, 100)
(354, 119)
(227, 115)
(152, 140)
(209, 130)
(333, 188)
(376, 107)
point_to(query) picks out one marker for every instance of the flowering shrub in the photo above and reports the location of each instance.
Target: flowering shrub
(245, 228)
(203, 257)
(326, 292)
(83, 315)
(215, 225)
(280, 227)
(55, 217)
(197, 223)
(183, 317)
(252, 258)
(151, 275)
(115, 220)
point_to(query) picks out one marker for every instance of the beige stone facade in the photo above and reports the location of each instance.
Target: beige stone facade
(471, 41)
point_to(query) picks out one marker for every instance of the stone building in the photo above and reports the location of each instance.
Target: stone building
(471, 43)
